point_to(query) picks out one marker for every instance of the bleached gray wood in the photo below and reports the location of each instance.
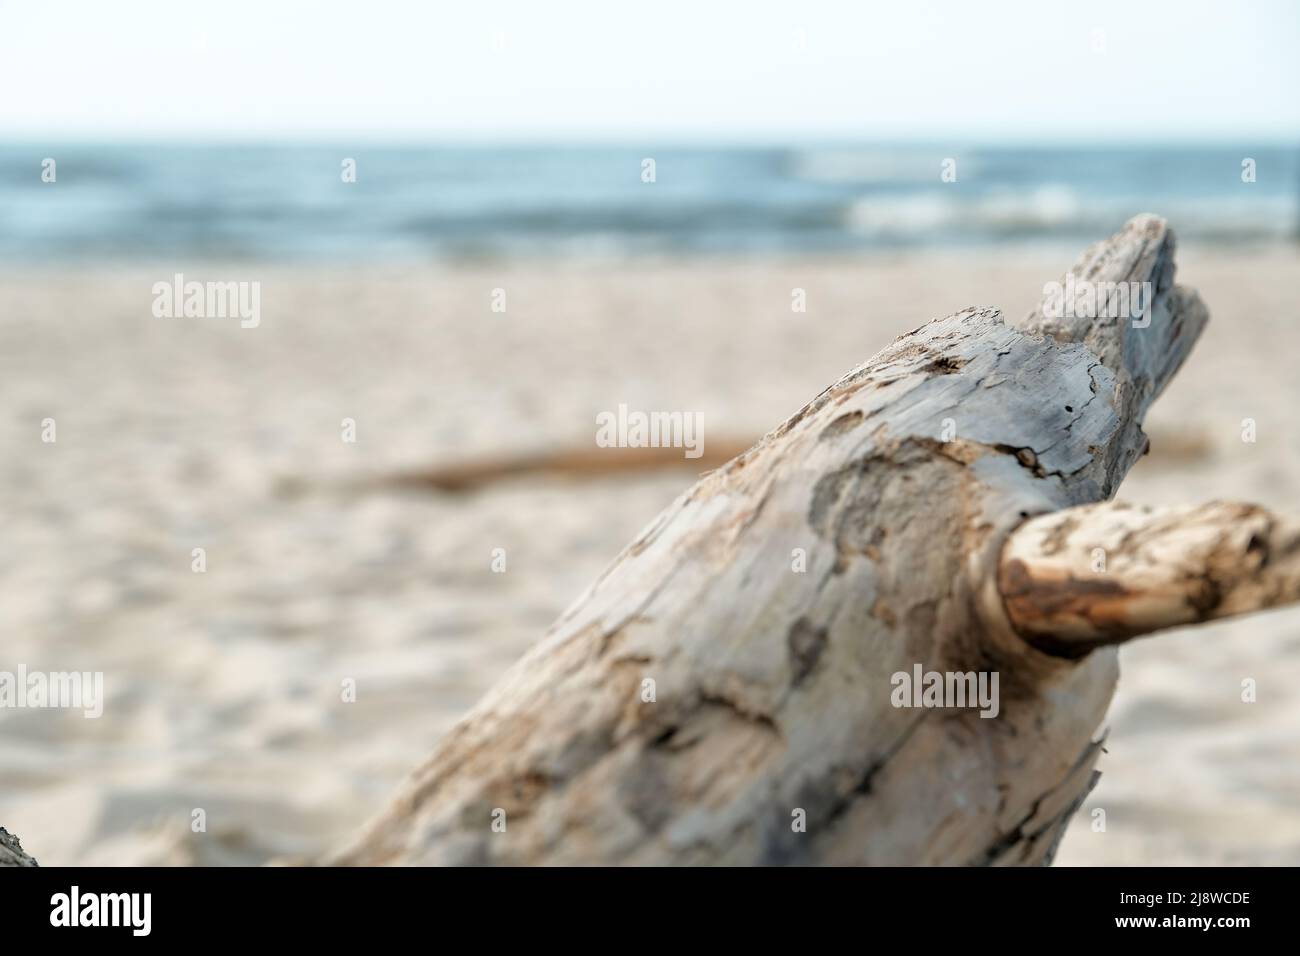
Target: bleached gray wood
(11, 851)
(900, 484)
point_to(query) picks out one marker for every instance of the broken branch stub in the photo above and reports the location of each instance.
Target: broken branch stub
(723, 692)
(1101, 574)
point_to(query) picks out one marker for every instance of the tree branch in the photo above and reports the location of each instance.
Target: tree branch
(1101, 574)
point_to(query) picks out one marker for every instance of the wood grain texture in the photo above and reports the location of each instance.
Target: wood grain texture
(1101, 574)
(899, 485)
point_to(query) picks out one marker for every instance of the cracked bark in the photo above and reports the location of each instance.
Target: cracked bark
(897, 487)
(11, 851)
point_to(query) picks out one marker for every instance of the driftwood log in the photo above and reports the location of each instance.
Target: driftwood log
(939, 508)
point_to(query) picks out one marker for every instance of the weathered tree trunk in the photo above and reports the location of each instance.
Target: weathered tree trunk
(773, 603)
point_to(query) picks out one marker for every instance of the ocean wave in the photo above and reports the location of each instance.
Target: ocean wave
(289, 203)
(1060, 211)
(868, 166)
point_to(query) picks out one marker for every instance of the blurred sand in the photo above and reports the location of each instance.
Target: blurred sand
(224, 688)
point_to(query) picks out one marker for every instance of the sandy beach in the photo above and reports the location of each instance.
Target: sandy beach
(224, 688)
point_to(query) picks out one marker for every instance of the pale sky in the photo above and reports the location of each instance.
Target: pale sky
(692, 71)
